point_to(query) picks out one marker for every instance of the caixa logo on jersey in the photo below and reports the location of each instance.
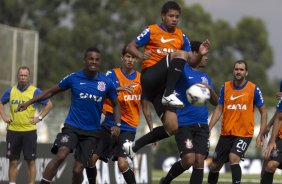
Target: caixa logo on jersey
(165, 50)
(90, 96)
(237, 107)
(17, 102)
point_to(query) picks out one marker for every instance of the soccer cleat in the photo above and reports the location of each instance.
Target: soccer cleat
(172, 101)
(127, 147)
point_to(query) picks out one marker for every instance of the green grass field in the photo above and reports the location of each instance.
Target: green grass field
(223, 178)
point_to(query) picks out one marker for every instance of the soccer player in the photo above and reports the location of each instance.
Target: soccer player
(193, 132)
(127, 82)
(268, 127)
(89, 89)
(166, 50)
(273, 154)
(278, 95)
(236, 102)
(21, 130)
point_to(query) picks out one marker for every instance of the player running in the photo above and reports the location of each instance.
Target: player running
(193, 132)
(127, 83)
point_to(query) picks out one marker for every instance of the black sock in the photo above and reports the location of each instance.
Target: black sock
(236, 173)
(267, 178)
(174, 71)
(155, 135)
(175, 170)
(129, 176)
(213, 177)
(43, 181)
(197, 176)
(91, 173)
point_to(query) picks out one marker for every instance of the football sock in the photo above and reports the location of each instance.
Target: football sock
(267, 178)
(197, 176)
(44, 181)
(155, 135)
(91, 173)
(236, 173)
(174, 71)
(129, 176)
(213, 177)
(175, 170)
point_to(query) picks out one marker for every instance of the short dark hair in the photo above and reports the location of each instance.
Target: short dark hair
(23, 68)
(241, 61)
(195, 46)
(91, 49)
(170, 5)
(123, 51)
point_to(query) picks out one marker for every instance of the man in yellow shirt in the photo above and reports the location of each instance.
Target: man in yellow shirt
(21, 126)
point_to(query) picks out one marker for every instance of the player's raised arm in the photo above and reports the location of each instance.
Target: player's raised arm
(44, 95)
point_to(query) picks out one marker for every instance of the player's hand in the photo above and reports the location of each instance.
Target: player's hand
(115, 130)
(278, 95)
(259, 141)
(146, 55)
(267, 152)
(129, 88)
(204, 47)
(205, 84)
(34, 120)
(7, 119)
(266, 131)
(21, 107)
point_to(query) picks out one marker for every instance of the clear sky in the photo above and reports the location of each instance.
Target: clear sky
(270, 11)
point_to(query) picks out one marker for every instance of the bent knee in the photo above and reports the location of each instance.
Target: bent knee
(271, 166)
(234, 159)
(61, 156)
(123, 166)
(215, 167)
(77, 170)
(172, 130)
(188, 160)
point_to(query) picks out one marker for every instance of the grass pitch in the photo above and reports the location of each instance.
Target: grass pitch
(224, 178)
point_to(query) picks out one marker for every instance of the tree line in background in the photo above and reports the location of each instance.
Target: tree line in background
(67, 27)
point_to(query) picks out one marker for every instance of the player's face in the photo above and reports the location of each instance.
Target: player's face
(128, 61)
(171, 19)
(203, 62)
(23, 77)
(92, 61)
(240, 72)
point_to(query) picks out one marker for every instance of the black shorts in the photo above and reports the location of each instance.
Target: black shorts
(230, 144)
(83, 142)
(111, 147)
(193, 139)
(21, 141)
(277, 153)
(153, 81)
